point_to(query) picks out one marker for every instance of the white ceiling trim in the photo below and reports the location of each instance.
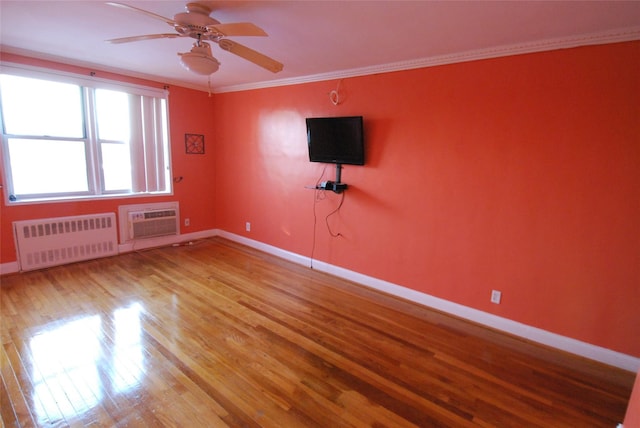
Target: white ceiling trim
(90, 66)
(92, 81)
(619, 35)
(613, 36)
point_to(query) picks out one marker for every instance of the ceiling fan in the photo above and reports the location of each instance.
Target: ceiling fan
(197, 24)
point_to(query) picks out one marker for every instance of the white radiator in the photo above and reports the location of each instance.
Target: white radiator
(55, 241)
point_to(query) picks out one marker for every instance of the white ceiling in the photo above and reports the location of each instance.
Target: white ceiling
(313, 39)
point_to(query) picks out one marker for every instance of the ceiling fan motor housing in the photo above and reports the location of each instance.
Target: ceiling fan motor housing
(194, 21)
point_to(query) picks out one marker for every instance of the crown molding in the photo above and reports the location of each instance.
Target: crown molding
(614, 36)
(611, 36)
(160, 80)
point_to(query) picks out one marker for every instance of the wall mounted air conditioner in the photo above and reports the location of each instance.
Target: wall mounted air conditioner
(148, 221)
(148, 224)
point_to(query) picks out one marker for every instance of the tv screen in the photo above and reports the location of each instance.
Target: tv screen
(336, 140)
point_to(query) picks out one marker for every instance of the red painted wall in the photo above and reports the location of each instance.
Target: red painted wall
(632, 417)
(190, 112)
(520, 174)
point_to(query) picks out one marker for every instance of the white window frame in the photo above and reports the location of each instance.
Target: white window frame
(153, 175)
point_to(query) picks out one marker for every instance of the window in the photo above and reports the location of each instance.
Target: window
(65, 137)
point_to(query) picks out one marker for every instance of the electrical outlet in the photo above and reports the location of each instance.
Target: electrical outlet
(187, 222)
(496, 296)
(247, 226)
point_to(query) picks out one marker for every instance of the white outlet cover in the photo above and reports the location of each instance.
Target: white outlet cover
(496, 296)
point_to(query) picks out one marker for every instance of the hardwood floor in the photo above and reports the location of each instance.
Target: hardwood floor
(217, 334)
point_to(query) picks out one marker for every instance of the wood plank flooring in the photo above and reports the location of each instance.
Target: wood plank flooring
(217, 334)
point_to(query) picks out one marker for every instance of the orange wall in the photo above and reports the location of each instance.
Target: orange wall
(632, 417)
(190, 112)
(520, 174)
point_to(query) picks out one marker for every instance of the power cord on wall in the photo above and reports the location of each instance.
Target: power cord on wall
(320, 195)
(315, 217)
(326, 219)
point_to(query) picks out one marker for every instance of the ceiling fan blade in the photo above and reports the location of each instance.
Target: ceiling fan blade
(251, 55)
(237, 29)
(146, 37)
(146, 12)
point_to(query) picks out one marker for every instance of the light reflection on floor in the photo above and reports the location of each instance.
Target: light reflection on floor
(76, 364)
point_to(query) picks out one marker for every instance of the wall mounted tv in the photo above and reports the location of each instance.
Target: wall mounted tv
(336, 140)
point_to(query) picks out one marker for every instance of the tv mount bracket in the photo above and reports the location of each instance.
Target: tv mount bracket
(334, 186)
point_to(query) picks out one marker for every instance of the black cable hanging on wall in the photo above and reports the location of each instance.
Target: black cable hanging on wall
(320, 195)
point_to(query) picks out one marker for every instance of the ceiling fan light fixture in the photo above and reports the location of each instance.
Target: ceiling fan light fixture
(197, 23)
(200, 60)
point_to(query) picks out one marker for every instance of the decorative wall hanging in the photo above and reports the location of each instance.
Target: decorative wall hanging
(194, 144)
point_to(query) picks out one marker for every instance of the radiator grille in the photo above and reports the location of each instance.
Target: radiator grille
(55, 241)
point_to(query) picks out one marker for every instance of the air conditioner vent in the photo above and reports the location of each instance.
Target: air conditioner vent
(147, 224)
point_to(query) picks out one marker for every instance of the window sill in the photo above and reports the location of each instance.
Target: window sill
(84, 198)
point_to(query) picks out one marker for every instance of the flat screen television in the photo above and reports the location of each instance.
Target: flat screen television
(336, 140)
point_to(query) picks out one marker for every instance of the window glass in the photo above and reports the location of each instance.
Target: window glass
(116, 166)
(47, 166)
(114, 133)
(112, 110)
(41, 107)
(77, 139)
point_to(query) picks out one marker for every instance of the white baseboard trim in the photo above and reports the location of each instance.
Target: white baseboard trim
(270, 249)
(141, 244)
(7, 268)
(534, 334)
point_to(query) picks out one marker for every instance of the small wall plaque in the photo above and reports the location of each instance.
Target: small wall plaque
(194, 144)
